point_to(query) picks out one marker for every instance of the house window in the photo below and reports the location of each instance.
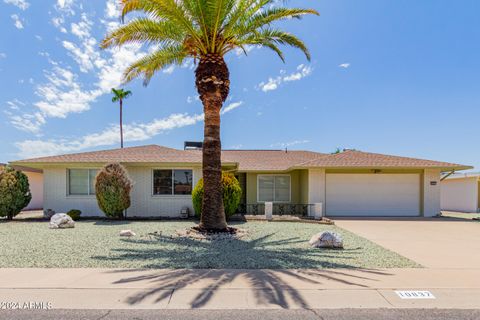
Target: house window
(172, 182)
(81, 182)
(274, 188)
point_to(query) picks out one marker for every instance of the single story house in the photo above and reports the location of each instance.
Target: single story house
(461, 192)
(350, 183)
(35, 180)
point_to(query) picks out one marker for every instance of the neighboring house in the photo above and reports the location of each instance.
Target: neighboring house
(461, 192)
(351, 183)
(35, 180)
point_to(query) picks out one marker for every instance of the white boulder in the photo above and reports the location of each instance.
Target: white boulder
(327, 239)
(127, 233)
(61, 221)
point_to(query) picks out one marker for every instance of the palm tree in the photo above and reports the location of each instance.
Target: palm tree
(205, 30)
(120, 95)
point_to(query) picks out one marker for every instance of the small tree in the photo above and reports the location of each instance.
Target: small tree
(112, 188)
(232, 193)
(14, 192)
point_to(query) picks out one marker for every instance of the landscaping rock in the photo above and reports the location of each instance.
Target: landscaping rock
(327, 239)
(127, 233)
(61, 221)
(49, 213)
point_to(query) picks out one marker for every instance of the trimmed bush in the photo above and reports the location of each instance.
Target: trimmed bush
(232, 193)
(112, 188)
(74, 214)
(14, 192)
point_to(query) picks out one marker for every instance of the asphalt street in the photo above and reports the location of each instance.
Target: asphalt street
(337, 314)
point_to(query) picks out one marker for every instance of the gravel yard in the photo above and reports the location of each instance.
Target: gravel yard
(271, 245)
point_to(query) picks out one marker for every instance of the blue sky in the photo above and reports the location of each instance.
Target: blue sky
(394, 77)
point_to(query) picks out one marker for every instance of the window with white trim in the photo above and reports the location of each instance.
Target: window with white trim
(81, 182)
(172, 182)
(273, 188)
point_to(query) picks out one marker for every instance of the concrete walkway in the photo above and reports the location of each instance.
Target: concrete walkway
(239, 289)
(434, 243)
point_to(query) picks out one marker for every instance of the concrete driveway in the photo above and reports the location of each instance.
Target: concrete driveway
(434, 243)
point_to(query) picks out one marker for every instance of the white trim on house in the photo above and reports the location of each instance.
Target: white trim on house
(275, 175)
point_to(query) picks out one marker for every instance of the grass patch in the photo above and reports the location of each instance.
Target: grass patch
(460, 215)
(274, 245)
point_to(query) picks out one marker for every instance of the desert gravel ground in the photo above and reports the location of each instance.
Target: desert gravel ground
(274, 245)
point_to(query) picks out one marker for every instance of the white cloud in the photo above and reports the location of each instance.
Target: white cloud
(288, 144)
(23, 121)
(169, 70)
(62, 94)
(247, 48)
(344, 65)
(301, 72)
(191, 99)
(65, 6)
(231, 106)
(21, 4)
(39, 38)
(236, 147)
(17, 21)
(31, 123)
(112, 9)
(110, 136)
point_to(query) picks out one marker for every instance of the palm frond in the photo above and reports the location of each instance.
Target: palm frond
(275, 36)
(147, 66)
(193, 28)
(145, 30)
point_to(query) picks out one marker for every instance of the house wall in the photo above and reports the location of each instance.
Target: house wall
(460, 194)
(144, 203)
(431, 192)
(35, 180)
(297, 179)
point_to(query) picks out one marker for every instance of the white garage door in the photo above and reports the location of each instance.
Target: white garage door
(373, 195)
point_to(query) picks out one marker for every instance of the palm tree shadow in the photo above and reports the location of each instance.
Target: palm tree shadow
(265, 264)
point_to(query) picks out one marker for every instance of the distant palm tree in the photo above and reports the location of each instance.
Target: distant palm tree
(205, 30)
(120, 95)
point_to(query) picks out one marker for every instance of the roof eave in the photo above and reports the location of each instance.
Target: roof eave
(442, 168)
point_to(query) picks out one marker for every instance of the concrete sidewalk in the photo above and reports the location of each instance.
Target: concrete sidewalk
(239, 289)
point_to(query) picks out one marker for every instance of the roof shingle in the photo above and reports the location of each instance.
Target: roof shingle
(247, 160)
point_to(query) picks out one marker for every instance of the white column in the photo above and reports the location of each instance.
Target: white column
(318, 211)
(431, 192)
(316, 188)
(269, 210)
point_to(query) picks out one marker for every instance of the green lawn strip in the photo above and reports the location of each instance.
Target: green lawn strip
(274, 245)
(461, 215)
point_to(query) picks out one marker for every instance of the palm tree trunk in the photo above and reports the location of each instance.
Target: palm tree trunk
(213, 86)
(121, 123)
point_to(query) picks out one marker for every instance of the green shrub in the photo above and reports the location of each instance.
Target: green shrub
(112, 188)
(232, 193)
(74, 214)
(14, 192)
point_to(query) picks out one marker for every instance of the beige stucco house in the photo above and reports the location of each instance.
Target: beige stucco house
(351, 183)
(461, 192)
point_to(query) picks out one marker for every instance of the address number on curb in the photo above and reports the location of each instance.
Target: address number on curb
(415, 294)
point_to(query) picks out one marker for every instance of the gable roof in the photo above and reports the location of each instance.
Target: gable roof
(360, 159)
(246, 160)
